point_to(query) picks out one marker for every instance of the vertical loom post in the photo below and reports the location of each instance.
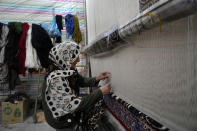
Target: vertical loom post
(36, 102)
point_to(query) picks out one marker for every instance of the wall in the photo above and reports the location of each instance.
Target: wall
(157, 72)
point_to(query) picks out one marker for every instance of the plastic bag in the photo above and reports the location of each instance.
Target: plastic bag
(54, 31)
(52, 28)
(46, 26)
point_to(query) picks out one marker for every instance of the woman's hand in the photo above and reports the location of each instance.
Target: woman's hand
(102, 76)
(106, 89)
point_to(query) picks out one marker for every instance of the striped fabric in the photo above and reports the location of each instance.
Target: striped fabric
(36, 11)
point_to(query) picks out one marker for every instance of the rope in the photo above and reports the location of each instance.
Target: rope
(155, 15)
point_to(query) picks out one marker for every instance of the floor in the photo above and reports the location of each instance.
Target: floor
(106, 124)
(28, 125)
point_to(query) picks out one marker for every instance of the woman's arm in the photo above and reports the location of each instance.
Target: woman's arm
(90, 100)
(85, 81)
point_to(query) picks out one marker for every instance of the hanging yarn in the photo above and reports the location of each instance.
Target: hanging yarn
(60, 27)
(21, 55)
(59, 22)
(77, 31)
(11, 50)
(69, 22)
(4, 83)
(42, 44)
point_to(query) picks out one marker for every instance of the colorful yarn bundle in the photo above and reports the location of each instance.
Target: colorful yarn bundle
(72, 28)
(69, 22)
(77, 32)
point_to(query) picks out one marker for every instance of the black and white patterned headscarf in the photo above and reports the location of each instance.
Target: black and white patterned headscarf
(64, 54)
(60, 98)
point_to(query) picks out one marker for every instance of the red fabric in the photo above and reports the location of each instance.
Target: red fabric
(22, 49)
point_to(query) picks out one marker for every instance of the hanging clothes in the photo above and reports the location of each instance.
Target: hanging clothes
(69, 22)
(42, 43)
(15, 31)
(22, 49)
(11, 49)
(59, 22)
(60, 27)
(3, 41)
(4, 83)
(32, 60)
(77, 31)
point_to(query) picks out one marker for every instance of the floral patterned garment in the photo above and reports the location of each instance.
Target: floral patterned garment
(60, 97)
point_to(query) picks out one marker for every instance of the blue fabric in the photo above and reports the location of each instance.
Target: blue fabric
(69, 22)
(54, 28)
(46, 26)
